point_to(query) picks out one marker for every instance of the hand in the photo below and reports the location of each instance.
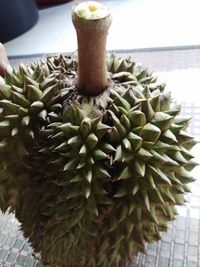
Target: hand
(4, 63)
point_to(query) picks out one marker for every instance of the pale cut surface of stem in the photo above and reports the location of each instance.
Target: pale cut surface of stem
(92, 29)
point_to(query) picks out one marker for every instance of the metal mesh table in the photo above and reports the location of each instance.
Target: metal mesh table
(180, 246)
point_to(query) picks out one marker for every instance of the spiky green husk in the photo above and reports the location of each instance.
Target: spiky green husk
(91, 179)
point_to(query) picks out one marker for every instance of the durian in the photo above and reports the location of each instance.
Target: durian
(92, 172)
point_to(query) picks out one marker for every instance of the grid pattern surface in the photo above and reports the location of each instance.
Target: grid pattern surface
(179, 247)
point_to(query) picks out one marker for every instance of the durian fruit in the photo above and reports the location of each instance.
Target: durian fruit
(92, 173)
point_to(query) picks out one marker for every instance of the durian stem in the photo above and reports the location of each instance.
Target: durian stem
(92, 37)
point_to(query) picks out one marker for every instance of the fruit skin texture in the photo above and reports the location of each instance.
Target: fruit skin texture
(91, 179)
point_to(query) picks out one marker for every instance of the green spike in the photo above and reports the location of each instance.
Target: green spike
(107, 148)
(155, 103)
(158, 196)
(140, 167)
(92, 141)
(23, 112)
(36, 107)
(14, 132)
(190, 165)
(87, 173)
(177, 156)
(157, 173)
(137, 91)
(30, 133)
(157, 158)
(147, 145)
(120, 101)
(33, 93)
(49, 82)
(20, 99)
(3, 144)
(26, 120)
(162, 147)
(144, 154)
(48, 94)
(137, 118)
(183, 137)
(166, 193)
(5, 91)
(75, 141)
(151, 181)
(120, 128)
(101, 130)
(9, 107)
(169, 161)
(151, 132)
(82, 163)
(174, 180)
(162, 120)
(121, 110)
(135, 140)
(85, 127)
(42, 115)
(125, 174)
(153, 214)
(4, 124)
(135, 189)
(100, 172)
(70, 165)
(87, 191)
(90, 161)
(169, 137)
(31, 81)
(58, 136)
(186, 188)
(175, 128)
(189, 143)
(163, 177)
(125, 122)
(83, 151)
(165, 101)
(61, 147)
(146, 91)
(69, 128)
(186, 154)
(146, 199)
(118, 154)
(98, 154)
(127, 144)
(173, 111)
(181, 120)
(147, 110)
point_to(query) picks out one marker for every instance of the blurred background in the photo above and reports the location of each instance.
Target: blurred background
(137, 24)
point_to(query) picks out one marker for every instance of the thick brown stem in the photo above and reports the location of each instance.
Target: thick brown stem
(92, 36)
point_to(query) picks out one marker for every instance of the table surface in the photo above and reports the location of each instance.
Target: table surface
(180, 246)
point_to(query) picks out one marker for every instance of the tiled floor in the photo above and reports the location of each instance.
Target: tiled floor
(136, 24)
